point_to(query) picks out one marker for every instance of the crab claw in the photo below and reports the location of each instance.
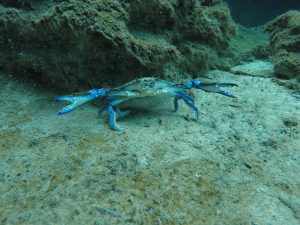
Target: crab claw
(78, 99)
(210, 86)
(216, 88)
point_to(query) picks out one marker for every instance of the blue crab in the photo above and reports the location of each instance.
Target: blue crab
(139, 88)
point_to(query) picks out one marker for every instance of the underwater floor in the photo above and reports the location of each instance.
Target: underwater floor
(239, 164)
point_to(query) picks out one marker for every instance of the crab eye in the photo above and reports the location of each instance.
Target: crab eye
(100, 92)
(196, 83)
(97, 92)
(188, 84)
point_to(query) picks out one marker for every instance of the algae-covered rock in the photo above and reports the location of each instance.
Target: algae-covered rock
(79, 44)
(285, 45)
(248, 45)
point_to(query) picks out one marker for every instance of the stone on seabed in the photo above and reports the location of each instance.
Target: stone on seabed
(285, 41)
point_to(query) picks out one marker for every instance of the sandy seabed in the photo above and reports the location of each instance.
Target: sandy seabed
(238, 164)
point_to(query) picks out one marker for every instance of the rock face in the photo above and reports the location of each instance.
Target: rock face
(285, 45)
(79, 44)
(248, 45)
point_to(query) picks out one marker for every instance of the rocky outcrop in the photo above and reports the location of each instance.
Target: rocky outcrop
(248, 45)
(285, 46)
(78, 44)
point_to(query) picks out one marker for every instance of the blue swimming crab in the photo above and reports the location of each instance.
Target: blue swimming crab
(139, 88)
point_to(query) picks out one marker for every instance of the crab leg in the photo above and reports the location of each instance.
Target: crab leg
(191, 104)
(119, 113)
(112, 118)
(113, 112)
(188, 100)
(176, 105)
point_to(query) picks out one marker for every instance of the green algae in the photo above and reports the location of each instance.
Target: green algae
(9, 139)
(78, 44)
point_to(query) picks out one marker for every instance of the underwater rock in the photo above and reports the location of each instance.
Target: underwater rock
(79, 44)
(248, 45)
(255, 68)
(285, 45)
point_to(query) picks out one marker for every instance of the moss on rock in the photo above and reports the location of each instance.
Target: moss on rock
(79, 44)
(285, 45)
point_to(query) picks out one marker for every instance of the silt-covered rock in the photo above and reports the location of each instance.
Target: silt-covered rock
(285, 45)
(79, 44)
